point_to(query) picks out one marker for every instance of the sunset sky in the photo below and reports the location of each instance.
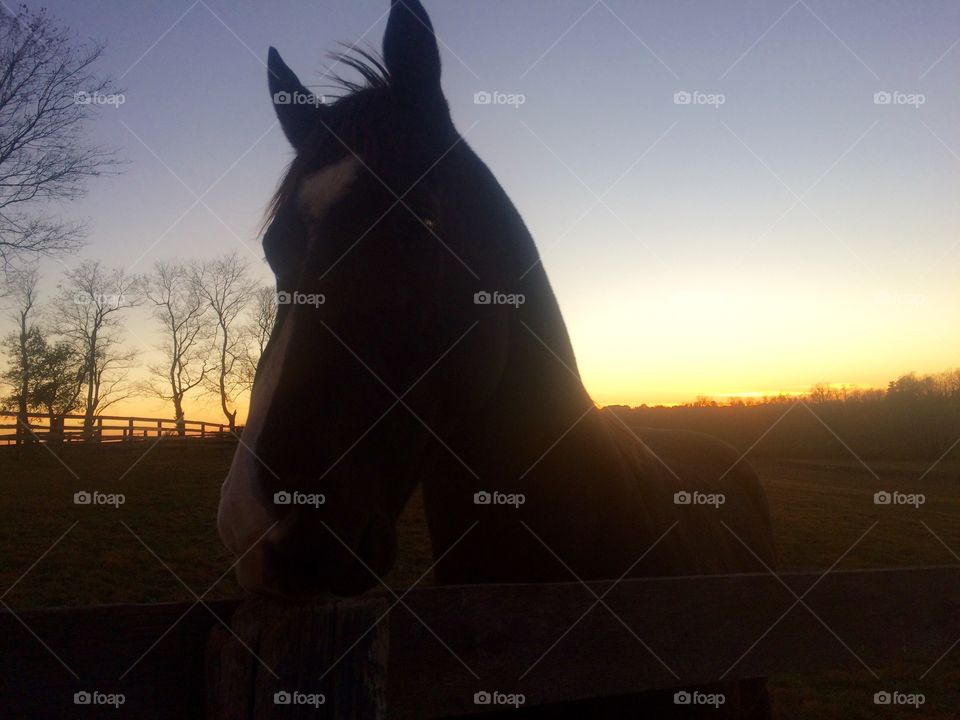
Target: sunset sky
(797, 233)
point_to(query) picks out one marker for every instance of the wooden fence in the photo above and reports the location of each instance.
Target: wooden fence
(105, 429)
(431, 654)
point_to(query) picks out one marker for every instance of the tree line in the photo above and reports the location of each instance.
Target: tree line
(70, 353)
(915, 417)
(909, 387)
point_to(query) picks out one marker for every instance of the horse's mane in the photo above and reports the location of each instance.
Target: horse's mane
(347, 109)
(367, 64)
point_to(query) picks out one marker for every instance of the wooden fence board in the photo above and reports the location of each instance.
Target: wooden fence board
(105, 429)
(698, 627)
(100, 644)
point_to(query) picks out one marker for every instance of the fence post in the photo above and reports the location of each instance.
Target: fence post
(159, 428)
(55, 433)
(23, 428)
(298, 649)
(130, 429)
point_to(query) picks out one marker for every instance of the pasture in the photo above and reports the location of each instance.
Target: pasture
(163, 537)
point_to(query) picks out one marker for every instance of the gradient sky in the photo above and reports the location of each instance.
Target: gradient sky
(799, 233)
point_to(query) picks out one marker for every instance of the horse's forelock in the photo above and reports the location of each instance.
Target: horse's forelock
(348, 118)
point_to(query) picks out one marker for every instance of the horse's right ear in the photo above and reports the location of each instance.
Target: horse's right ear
(411, 54)
(297, 109)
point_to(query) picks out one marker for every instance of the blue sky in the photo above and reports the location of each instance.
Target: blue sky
(799, 232)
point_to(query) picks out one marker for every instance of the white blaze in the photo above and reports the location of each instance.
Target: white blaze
(319, 192)
(241, 518)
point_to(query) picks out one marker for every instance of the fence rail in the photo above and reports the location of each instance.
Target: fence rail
(104, 429)
(369, 657)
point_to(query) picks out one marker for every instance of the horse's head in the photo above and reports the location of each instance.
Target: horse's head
(375, 241)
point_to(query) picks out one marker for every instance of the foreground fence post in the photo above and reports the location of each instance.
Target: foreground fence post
(325, 659)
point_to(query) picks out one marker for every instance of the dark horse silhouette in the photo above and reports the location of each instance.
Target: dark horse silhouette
(439, 356)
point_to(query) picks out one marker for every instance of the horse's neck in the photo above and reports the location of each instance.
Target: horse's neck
(540, 394)
(540, 436)
(552, 433)
(538, 433)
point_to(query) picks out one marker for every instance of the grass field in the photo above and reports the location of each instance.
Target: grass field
(165, 530)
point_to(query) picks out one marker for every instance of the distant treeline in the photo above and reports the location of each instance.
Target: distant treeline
(70, 353)
(915, 417)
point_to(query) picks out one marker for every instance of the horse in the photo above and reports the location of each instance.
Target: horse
(419, 341)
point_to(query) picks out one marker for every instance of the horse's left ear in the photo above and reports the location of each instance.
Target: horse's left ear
(410, 52)
(297, 109)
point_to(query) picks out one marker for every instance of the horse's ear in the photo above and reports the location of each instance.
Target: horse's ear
(410, 52)
(297, 109)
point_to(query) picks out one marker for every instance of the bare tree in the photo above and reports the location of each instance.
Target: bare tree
(182, 312)
(823, 393)
(88, 310)
(44, 374)
(263, 315)
(228, 289)
(47, 93)
(21, 345)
